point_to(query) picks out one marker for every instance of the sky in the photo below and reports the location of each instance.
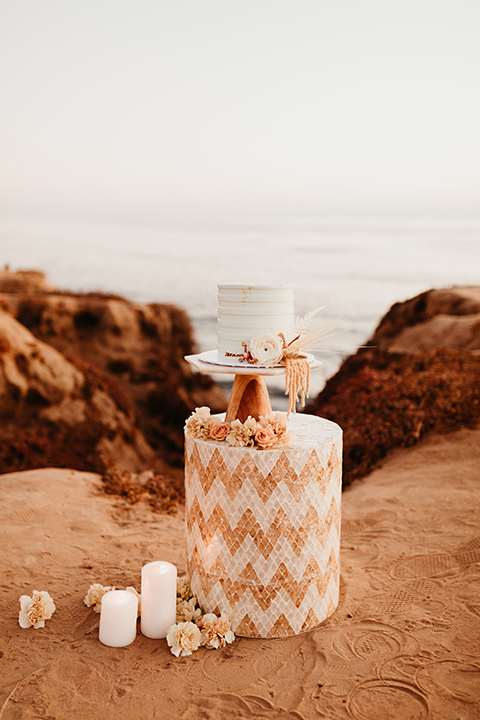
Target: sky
(324, 107)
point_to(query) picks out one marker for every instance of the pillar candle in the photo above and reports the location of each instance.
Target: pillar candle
(159, 598)
(118, 618)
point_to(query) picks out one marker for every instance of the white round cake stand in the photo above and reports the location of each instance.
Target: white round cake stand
(249, 394)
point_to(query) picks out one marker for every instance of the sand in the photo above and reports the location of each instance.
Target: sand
(404, 642)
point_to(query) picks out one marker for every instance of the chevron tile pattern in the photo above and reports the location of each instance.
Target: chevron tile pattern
(263, 529)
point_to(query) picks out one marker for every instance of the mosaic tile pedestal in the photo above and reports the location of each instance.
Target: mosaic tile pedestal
(263, 529)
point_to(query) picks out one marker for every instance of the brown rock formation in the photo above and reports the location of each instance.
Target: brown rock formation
(24, 281)
(419, 372)
(139, 348)
(436, 318)
(52, 413)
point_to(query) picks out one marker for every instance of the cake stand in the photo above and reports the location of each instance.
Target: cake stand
(249, 395)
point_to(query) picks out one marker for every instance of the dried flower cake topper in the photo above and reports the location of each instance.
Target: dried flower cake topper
(288, 349)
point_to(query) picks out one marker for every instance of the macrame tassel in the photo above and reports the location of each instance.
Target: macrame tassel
(297, 377)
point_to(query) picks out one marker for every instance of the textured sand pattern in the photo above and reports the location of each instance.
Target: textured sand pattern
(263, 529)
(403, 644)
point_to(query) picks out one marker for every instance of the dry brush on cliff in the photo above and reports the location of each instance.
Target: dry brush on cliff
(420, 372)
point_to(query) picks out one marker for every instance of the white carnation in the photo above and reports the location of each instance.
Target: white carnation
(183, 638)
(94, 596)
(184, 590)
(187, 610)
(216, 632)
(35, 610)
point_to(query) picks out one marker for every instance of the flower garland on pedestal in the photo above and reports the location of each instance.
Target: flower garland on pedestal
(264, 433)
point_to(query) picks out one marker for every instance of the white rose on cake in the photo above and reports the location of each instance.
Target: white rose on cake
(267, 349)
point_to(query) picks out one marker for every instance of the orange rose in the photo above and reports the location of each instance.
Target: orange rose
(219, 431)
(265, 437)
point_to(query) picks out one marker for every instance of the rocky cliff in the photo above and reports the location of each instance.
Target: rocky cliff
(134, 352)
(85, 376)
(54, 413)
(420, 371)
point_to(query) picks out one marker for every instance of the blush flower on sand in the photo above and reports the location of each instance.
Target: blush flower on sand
(183, 638)
(216, 631)
(183, 589)
(191, 629)
(187, 610)
(94, 596)
(36, 609)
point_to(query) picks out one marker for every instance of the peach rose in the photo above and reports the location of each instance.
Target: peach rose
(265, 437)
(219, 431)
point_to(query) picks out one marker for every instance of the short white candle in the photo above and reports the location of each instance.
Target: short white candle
(159, 598)
(118, 618)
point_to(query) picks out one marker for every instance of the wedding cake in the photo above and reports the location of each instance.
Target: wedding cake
(247, 311)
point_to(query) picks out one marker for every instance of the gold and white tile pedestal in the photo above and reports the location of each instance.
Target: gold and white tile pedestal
(263, 529)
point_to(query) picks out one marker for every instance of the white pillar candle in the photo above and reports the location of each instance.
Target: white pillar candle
(118, 618)
(159, 598)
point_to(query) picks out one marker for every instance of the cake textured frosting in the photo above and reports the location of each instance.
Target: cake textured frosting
(246, 311)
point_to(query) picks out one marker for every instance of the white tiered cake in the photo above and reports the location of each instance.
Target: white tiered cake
(249, 310)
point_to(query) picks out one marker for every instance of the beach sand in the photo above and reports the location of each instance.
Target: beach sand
(404, 642)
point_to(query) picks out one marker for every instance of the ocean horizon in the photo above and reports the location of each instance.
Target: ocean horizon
(355, 268)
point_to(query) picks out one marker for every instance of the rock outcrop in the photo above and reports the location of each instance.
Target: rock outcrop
(138, 349)
(419, 372)
(53, 413)
(447, 318)
(23, 281)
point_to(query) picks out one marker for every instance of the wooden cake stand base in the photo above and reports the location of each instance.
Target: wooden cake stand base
(249, 396)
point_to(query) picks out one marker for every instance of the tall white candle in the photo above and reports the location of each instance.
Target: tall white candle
(159, 598)
(118, 618)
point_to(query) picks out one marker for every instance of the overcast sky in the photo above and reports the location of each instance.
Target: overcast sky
(305, 106)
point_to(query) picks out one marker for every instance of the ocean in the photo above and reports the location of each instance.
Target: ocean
(355, 268)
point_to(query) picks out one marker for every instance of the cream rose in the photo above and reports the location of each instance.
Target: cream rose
(265, 437)
(219, 431)
(267, 349)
